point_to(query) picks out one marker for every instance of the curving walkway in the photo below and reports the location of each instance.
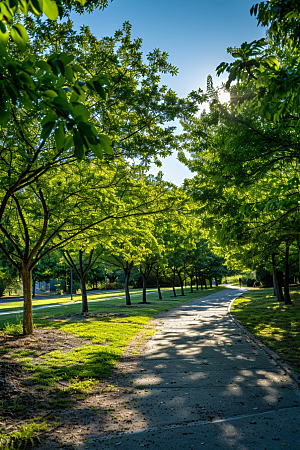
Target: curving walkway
(206, 385)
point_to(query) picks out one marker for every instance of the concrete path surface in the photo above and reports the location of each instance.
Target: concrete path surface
(204, 385)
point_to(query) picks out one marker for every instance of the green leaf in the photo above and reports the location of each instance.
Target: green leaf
(44, 66)
(4, 36)
(46, 131)
(81, 110)
(48, 118)
(49, 93)
(4, 117)
(99, 89)
(105, 143)
(50, 9)
(68, 142)
(12, 92)
(60, 136)
(97, 150)
(65, 58)
(86, 129)
(19, 36)
(68, 74)
(36, 7)
(23, 7)
(79, 149)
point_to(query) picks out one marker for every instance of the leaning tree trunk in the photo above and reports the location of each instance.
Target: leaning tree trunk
(173, 284)
(158, 287)
(27, 315)
(287, 297)
(127, 275)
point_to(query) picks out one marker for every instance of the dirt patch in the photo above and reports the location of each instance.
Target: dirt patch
(107, 410)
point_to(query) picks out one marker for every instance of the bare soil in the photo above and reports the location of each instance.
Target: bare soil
(108, 409)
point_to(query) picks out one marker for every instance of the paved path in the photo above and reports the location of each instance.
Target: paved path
(206, 385)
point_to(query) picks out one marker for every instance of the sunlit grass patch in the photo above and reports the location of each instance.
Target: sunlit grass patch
(274, 323)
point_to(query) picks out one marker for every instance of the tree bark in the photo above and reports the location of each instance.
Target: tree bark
(216, 280)
(191, 284)
(27, 315)
(276, 281)
(210, 282)
(205, 283)
(158, 287)
(181, 284)
(33, 287)
(173, 283)
(127, 275)
(197, 286)
(287, 297)
(201, 281)
(144, 288)
(85, 307)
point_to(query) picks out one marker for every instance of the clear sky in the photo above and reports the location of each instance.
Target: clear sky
(195, 33)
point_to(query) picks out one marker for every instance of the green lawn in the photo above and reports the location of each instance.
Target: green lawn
(57, 299)
(95, 361)
(276, 325)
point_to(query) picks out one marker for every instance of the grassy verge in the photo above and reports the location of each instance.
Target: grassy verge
(276, 325)
(108, 336)
(10, 306)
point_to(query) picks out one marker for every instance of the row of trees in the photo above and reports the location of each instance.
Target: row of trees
(70, 100)
(246, 153)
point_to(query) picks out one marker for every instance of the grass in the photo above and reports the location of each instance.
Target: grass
(108, 337)
(275, 324)
(19, 439)
(10, 306)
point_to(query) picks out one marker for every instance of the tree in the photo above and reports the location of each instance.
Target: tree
(45, 198)
(82, 268)
(48, 84)
(269, 68)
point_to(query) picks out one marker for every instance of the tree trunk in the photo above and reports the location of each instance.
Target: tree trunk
(191, 284)
(197, 286)
(27, 316)
(216, 280)
(144, 288)
(205, 283)
(127, 275)
(181, 284)
(173, 284)
(210, 282)
(276, 281)
(33, 288)
(201, 281)
(287, 298)
(85, 307)
(158, 287)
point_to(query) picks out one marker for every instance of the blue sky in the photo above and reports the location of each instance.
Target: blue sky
(195, 33)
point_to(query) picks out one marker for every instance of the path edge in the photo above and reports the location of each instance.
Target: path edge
(285, 366)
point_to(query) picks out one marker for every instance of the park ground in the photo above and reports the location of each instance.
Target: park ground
(71, 359)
